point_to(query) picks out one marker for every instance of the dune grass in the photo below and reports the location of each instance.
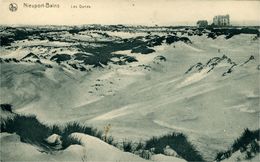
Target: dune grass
(156, 145)
(246, 142)
(34, 132)
(178, 142)
(128, 146)
(28, 128)
(6, 107)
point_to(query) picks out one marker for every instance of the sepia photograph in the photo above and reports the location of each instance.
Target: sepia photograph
(129, 80)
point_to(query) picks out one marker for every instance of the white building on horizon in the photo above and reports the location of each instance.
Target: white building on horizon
(221, 20)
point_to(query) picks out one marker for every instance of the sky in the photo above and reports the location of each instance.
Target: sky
(130, 12)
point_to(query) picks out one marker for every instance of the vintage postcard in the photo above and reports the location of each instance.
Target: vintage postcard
(129, 80)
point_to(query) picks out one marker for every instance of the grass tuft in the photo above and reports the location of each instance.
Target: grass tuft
(32, 131)
(29, 129)
(127, 146)
(176, 141)
(245, 139)
(245, 143)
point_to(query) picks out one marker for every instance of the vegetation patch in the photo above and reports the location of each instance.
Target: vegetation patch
(34, 132)
(246, 143)
(176, 141)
